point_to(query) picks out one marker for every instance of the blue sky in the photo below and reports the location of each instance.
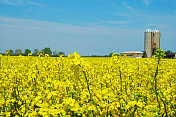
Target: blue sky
(85, 26)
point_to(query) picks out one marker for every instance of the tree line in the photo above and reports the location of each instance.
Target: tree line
(17, 52)
(44, 51)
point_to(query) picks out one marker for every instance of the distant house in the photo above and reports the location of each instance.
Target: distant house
(132, 54)
(171, 55)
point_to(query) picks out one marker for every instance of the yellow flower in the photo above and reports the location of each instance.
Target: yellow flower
(8, 114)
(6, 52)
(30, 54)
(43, 86)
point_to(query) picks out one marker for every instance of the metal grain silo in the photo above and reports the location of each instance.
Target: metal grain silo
(156, 39)
(148, 43)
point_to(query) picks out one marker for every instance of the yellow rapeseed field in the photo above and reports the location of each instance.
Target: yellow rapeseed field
(86, 87)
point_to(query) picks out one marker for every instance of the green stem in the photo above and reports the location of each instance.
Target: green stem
(90, 92)
(165, 108)
(154, 85)
(120, 81)
(126, 91)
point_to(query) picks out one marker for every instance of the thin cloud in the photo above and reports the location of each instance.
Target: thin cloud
(6, 2)
(39, 34)
(154, 25)
(20, 2)
(116, 22)
(60, 27)
(122, 14)
(12, 2)
(126, 5)
(33, 3)
(160, 26)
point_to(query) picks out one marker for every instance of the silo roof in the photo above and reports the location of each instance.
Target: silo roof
(148, 30)
(155, 31)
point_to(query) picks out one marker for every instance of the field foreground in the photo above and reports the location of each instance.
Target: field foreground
(78, 86)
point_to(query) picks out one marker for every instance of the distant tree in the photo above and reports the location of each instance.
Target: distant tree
(61, 53)
(18, 52)
(94, 55)
(42, 51)
(110, 54)
(144, 55)
(35, 52)
(54, 53)
(26, 52)
(106, 56)
(169, 52)
(47, 51)
(11, 52)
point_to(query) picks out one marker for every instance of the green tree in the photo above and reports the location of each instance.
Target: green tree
(144, 55)
(26, 52)
(61, 53)
(11, 52)
(54, 53)
(18, 52)
(42, 51)
(35, 52)
(48, 51)
(110, 54)
(169, 52)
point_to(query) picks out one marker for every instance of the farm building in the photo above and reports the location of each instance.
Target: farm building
(132, 54)
(170, 55)
(151, 41)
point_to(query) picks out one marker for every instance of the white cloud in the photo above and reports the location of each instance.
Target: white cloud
(122, 14)
(60, 27)
(32, 2)
(115, 22)
(12, 2)
(126, 5)
(152, 25)
(6, 1)
(23, 33)
(20, 2)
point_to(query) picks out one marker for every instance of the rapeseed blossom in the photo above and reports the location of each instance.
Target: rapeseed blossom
(80, 86)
